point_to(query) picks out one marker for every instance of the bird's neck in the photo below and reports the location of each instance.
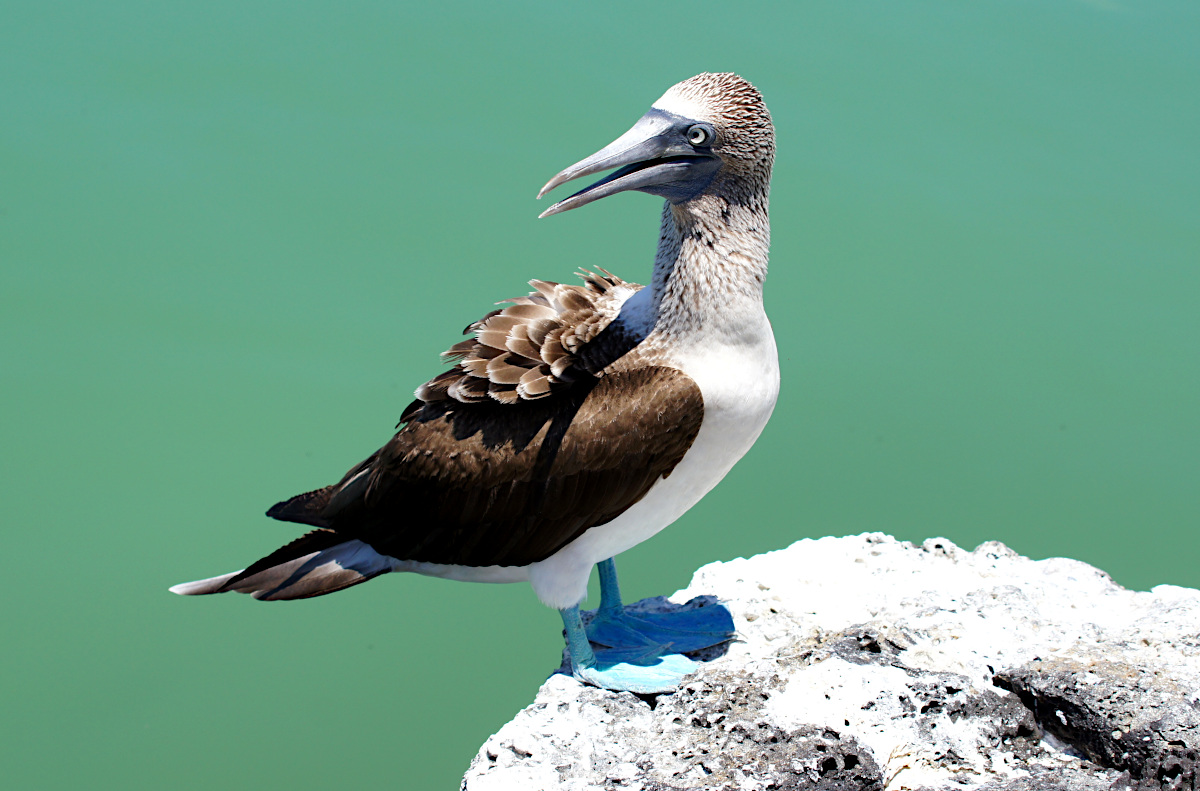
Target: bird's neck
(710, 267)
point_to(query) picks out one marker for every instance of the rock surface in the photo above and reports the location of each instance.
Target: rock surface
(870, 663)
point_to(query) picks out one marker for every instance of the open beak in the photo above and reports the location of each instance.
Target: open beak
(654, 156)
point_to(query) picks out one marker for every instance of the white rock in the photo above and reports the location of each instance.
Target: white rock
(866, 662)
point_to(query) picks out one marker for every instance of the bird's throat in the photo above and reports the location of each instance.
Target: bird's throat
(710, 266)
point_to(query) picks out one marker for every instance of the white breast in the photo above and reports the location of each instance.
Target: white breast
(740, 384)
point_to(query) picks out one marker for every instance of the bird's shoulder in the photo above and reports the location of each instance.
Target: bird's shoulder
(536, 344)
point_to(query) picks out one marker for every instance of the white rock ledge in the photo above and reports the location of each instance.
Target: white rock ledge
(870, 663)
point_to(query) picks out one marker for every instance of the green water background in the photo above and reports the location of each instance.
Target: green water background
(234, 236)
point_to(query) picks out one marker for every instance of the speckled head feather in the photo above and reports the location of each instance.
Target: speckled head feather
(745, 134)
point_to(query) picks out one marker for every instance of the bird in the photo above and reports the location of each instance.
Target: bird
(580, 420)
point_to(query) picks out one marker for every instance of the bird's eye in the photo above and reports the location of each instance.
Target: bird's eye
(699, 136)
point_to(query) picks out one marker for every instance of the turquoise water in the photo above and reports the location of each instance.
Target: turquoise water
(233, 238)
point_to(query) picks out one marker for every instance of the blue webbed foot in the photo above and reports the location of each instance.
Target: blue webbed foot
(643, 668)
(643, 675)
(646, 648)
(681, 631)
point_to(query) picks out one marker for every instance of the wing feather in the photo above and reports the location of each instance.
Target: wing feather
(543, 331)
(499, 461)
(485, 483)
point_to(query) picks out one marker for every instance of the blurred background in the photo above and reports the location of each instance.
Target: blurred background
(235, 235)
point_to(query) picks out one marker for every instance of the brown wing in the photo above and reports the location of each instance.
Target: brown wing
(529, 349)
(488, 483)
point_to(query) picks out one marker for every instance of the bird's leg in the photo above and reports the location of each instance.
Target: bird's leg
(610, 625)
(680, 631)
(577, 643)
(610, 589)
(645, 669)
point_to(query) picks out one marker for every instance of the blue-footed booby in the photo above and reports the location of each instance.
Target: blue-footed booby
(580, 420)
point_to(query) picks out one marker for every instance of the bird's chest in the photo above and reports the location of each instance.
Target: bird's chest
(740, 385)
(738, 377)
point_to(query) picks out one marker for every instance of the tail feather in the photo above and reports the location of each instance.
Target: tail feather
(287, 575)
(200, 587)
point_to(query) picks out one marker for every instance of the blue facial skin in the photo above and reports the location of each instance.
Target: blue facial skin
(702, 164)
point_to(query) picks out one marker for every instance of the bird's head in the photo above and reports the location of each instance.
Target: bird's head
(710, 134)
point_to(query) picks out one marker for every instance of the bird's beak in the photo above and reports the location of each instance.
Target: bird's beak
(654, 156)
